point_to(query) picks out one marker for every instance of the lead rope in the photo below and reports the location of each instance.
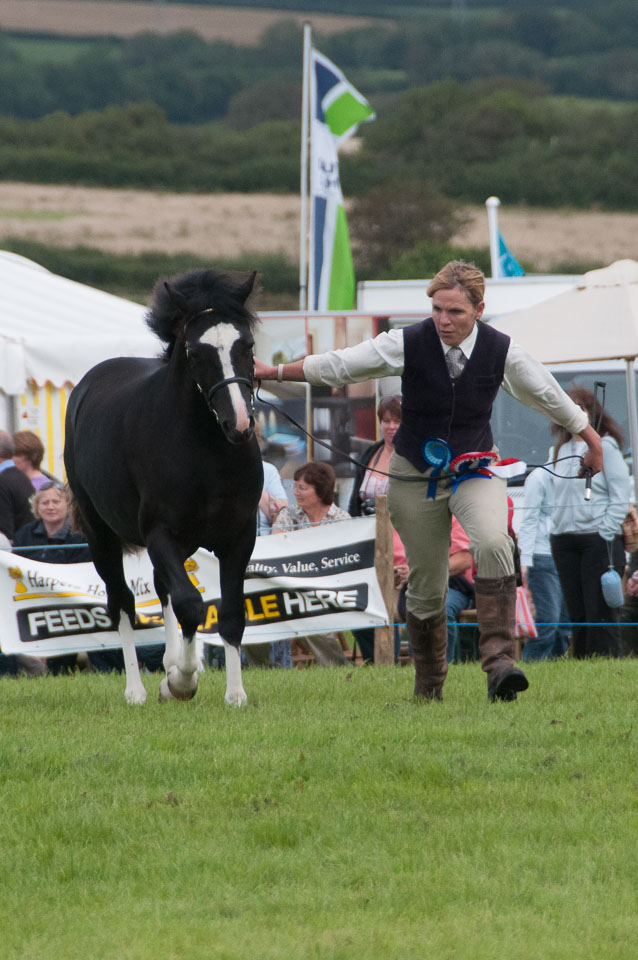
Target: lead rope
(383, 473)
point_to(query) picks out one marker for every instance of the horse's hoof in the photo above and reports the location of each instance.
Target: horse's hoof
(236, 699)
(164, 691)
(181, 686)
(135, 696)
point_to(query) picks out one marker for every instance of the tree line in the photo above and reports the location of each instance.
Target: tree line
(464, 140)
(582, 49)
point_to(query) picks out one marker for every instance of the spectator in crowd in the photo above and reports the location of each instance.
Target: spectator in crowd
(51, 529)
(451, 367)
(538, 570)
(371, 478)
(371, 481)
(273, 499)
(629, 610)
(16, 490)
(460, 588)
(48, 539)
(314, 488)
(28, 454)
(586, 535)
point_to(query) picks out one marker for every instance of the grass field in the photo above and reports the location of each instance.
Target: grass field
(333, 817)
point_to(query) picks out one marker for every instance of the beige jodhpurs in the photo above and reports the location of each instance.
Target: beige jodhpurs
(480, 506)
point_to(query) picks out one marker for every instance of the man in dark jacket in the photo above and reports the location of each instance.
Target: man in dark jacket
(15, 490)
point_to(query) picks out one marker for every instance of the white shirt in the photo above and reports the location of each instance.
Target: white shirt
(524, 378)
(273, 486)
(610, 492)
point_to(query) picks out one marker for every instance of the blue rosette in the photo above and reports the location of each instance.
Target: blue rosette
(438, 454)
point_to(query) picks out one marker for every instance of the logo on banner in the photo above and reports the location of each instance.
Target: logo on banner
(191, 567)
(278, 606)
(16, 574)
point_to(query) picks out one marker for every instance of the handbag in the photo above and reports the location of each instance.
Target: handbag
(630, 530)
(525, 628)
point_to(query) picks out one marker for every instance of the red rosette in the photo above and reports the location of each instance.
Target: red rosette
(472, 461)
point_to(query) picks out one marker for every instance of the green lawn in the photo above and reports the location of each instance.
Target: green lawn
(333, 817)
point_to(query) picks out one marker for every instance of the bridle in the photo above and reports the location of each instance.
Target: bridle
(208, 396)
(210, 393)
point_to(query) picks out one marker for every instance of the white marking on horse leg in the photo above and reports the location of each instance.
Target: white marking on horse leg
(222, 336)
(172, 636)
(180, 661)
(235, 693)
(135, 692)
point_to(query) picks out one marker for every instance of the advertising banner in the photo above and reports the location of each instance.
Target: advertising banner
(309, 581)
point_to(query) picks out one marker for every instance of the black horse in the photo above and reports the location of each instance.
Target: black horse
(161, 453)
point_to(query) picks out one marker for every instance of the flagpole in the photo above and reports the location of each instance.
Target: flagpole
(492, 204)
(305, 136)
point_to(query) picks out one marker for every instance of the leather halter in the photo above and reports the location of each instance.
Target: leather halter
(210, 393)
(223, 383)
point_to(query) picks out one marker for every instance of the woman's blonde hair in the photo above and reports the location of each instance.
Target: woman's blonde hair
(459, 274)
(62, 489)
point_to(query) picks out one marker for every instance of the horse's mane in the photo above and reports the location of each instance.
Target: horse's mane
(201, 289)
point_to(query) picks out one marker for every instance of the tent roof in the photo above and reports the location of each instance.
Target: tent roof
(53, 329)
(597, 320)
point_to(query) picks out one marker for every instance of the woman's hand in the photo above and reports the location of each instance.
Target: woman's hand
(593, 459)
(264, 372)
(631, 588)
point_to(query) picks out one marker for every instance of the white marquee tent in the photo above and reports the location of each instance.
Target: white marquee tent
(597, 320)
(52, 330)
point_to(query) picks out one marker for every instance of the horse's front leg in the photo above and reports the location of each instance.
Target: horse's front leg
(180, 660)
(181, 604)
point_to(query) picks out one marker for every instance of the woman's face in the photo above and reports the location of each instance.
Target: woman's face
(454, 315)
(52, 508)
(305, 494)
(389, 426)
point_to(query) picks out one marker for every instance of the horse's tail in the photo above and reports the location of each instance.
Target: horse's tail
(79, 523)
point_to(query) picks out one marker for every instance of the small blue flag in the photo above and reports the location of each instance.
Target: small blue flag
(509, 265)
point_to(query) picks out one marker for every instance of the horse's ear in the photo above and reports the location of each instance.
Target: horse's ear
(179, 302)
(245, 290)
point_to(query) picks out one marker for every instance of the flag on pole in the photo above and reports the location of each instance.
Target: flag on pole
(336, 109)
(509, 265)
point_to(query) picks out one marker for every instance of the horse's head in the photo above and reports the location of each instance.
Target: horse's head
(216, 329)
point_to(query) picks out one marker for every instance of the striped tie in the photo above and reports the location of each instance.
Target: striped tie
(455, 359)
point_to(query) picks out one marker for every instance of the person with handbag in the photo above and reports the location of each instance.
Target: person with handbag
(586, 535)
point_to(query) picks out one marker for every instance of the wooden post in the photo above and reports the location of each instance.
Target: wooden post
(384, 565)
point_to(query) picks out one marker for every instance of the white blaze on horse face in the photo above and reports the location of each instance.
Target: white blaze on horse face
(222, 337)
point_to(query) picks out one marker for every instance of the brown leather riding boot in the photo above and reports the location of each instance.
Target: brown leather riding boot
(428, 639)
(496, 615)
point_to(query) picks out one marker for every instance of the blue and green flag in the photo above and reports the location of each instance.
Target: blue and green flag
(336, 111)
